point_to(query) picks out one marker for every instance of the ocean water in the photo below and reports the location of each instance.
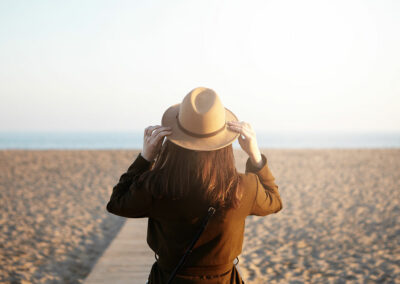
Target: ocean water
(134, 140)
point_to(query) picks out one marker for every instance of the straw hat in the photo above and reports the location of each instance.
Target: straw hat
(199, 122)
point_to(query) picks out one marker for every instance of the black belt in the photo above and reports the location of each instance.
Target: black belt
(214, 270)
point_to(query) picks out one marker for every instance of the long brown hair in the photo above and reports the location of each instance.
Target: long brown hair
(178, 171)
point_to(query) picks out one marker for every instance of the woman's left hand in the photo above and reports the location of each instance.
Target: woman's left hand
(152, 141)
(247, 140)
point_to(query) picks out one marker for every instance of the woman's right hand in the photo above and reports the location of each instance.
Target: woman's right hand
(153, 139)
(247, 141)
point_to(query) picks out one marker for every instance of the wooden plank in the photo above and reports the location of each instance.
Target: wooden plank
(128, 259)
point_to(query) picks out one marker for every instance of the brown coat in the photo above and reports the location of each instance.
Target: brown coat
(173, 223)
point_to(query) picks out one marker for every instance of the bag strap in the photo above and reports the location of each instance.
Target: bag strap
(210, 213)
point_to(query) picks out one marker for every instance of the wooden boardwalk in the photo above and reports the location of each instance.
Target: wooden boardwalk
(128, 259)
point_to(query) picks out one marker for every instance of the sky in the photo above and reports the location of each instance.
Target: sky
(279, 65)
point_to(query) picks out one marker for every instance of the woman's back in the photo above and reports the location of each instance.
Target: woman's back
(173, 223)
(174, 186)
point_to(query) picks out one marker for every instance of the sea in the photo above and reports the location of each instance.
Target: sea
(134, 140)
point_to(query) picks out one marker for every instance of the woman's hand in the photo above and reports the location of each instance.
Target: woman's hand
(152, 141)
(247, 141)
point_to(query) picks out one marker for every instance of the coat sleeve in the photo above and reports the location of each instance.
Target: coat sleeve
(126, 199)
(267, 198)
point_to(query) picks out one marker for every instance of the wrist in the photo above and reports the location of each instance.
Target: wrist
(144, 156)
(256, 160)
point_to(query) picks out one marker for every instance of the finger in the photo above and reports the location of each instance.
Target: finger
(157, 138)
(246, 125)
(242, 123)
(241, 142)
(150, 129)
(236, 127)
(163, 133)
(157, 133)
(162, 128)
(248, 135)
(162, 136)
(243, 131)
(234, 122)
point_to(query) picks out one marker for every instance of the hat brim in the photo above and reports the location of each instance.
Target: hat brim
(180, 138)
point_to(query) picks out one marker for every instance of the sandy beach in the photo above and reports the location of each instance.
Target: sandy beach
(339, 221)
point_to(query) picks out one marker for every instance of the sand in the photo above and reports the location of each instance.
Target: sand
(339, 222)
(53, 221)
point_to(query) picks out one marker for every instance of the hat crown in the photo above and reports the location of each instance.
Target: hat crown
(201, 111)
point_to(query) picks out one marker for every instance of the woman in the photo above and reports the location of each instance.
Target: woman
(174, 183)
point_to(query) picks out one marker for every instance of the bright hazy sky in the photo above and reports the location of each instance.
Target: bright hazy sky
(280, 65)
